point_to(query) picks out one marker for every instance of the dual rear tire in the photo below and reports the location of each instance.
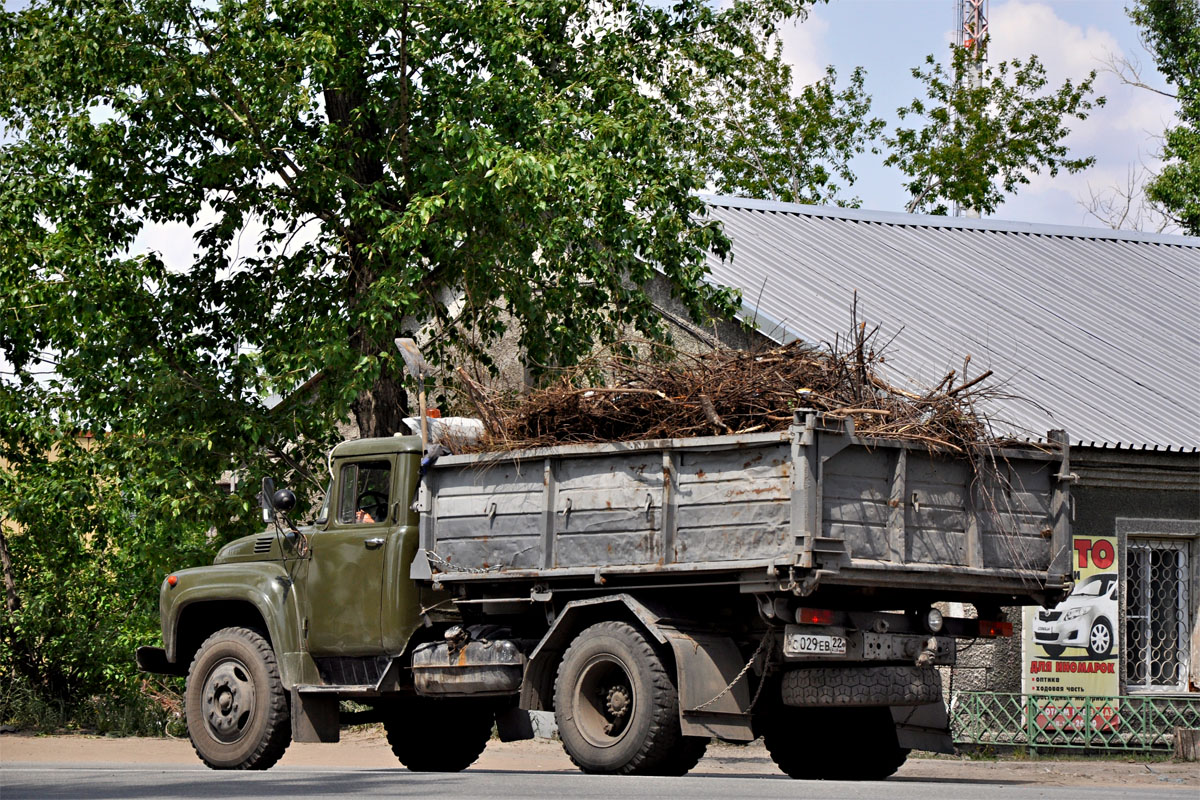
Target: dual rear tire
(834, 743)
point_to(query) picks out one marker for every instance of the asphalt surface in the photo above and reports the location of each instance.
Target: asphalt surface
(47, 781)
(363, 766)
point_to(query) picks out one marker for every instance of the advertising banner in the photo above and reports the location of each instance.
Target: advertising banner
(1072, 649)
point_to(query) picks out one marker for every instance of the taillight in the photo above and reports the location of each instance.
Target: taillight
(992, 629)
(814, 616)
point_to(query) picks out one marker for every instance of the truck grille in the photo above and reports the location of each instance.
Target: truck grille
(263, 544)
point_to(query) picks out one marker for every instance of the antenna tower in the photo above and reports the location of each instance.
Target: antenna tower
(973, 27)
(972, 35)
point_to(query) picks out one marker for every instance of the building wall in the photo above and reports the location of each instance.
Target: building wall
(1147, 499)
(1126, 494)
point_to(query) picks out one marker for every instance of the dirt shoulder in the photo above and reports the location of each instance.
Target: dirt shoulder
(365, 749)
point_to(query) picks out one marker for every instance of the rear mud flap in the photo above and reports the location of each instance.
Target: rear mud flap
(925, 727)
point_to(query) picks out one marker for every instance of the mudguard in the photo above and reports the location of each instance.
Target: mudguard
(713, 700)
(263, 585)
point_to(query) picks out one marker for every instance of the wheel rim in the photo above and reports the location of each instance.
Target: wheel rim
(1100, 639)
(604, 701)
(228, 701)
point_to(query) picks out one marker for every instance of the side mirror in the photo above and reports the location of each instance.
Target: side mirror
(266, 499)
(284, 500)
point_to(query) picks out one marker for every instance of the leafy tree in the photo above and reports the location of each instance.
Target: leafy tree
(347, 172)
(1171, 32)
(353, 170)
(754, 137)
(84, 546)
(977, 142)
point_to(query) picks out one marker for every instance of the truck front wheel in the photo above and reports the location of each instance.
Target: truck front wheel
(617, 709)
(439, 735)
(237, 709)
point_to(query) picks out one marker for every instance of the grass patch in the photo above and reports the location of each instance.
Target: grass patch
(155, 709)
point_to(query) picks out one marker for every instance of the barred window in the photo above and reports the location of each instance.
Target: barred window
(1157, 629)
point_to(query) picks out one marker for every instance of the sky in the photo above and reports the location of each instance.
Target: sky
(1071, 37)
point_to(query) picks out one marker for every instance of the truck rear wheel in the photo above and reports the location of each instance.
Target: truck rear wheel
(616, 707)
(237, 709)
(834, 743)
(683, 758)
(439, 735)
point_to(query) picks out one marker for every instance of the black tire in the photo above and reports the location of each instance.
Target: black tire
(683, 758)
(1100, 638)
(616, 707)
(833, 743)
(439, 735)
(861, 686)
(236, 706)
(1054, 650)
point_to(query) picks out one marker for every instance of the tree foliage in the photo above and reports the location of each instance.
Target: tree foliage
(354, 170)
(977, 142)
(86, 537)
(1171, 31)
(347, 171)
(754, 137)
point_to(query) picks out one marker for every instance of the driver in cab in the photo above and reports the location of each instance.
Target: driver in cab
(365, 492)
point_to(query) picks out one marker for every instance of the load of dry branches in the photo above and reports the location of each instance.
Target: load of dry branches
(735, 392)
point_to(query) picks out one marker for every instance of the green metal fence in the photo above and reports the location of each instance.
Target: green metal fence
(1037, 721)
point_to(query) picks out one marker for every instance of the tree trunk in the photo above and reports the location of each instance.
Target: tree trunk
(381, 410)
(12, 600)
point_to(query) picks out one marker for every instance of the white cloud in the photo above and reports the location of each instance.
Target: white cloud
(1121, 134)
(803, 48)
(171, 240)
(1019, 28)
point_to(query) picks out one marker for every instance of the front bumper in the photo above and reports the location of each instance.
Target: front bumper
(154, 659)
(1072, 633)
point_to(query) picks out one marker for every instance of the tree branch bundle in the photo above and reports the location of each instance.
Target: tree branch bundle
(725, 391)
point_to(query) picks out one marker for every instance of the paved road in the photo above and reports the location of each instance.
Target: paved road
(50, 781)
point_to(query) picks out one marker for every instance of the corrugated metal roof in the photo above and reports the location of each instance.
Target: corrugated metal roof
(1095, 330)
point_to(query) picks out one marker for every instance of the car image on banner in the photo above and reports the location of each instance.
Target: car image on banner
(1086, 619)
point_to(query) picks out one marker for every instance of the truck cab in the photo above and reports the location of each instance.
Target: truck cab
(314, 613)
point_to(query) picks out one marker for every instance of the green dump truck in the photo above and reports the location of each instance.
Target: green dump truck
(653, 595)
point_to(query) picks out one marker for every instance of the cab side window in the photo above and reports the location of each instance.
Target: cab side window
(364, 493)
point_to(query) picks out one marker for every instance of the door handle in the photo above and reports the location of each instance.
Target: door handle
(373, 543)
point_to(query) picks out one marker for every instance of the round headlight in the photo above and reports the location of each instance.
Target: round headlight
(933, 620)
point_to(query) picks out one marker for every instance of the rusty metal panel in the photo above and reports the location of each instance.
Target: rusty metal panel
(855, 491)
(734, 504)
(608, 510)
(488, 517)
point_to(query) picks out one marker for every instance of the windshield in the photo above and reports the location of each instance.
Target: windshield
(1094, 586)
(323, 514)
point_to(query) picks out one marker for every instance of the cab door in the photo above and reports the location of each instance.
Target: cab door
(345, 570)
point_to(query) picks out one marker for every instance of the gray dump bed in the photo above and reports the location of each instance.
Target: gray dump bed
(779, 505)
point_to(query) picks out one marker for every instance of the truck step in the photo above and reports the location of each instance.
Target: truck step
(352, 688)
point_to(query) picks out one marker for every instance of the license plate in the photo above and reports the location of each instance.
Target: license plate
(814, 644)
